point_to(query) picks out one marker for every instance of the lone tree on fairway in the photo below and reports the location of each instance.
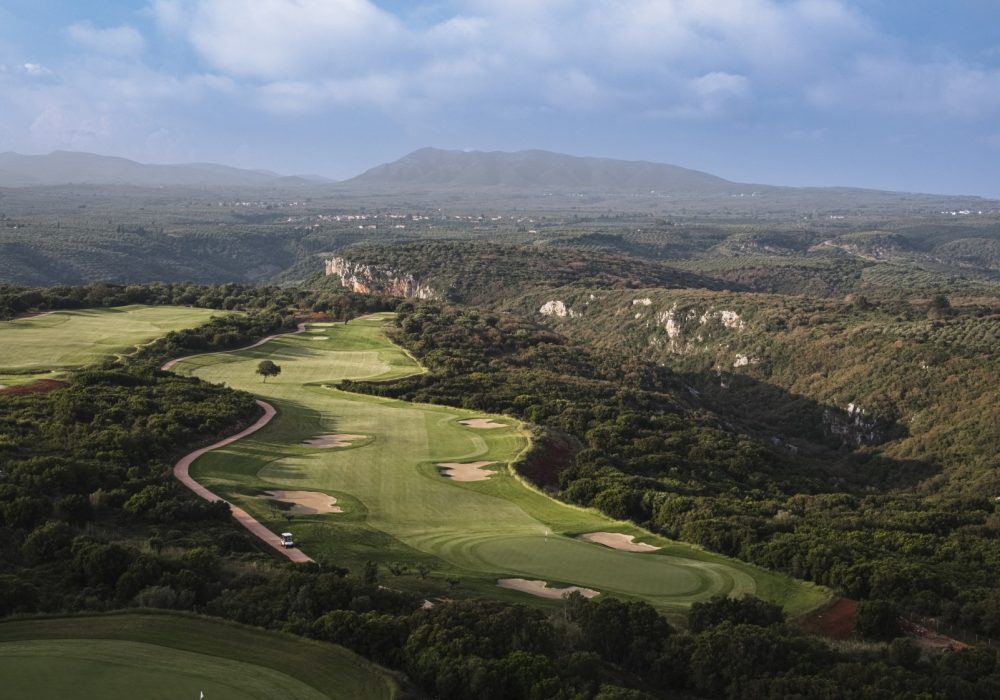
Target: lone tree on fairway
(266, 368)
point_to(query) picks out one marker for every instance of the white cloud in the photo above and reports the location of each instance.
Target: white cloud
(665, 59)
(949, 89)
(34, 69)
(282, 39)
(113, 41)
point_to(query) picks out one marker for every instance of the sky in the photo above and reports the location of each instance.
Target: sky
(890, 94)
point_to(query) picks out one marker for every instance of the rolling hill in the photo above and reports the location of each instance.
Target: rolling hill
(532, 170)
(65, 167)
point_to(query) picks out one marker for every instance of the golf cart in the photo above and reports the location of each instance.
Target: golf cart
(287, 540)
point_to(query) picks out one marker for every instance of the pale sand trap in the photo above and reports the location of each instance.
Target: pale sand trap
(307, 502)
(319, 337)
(542, 590)
(470, 471)
(333, 440)
(482, 423)
(616, 540)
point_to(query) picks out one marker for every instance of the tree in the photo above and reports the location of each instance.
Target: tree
(266, 368)
(878, 619)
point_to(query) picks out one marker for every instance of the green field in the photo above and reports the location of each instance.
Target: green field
(167, 656)
(41, 346)
(399, 509)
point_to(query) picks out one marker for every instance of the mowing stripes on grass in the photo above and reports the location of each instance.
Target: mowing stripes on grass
(72, 339)
(161, 655)
(111, 669)
(397, 506)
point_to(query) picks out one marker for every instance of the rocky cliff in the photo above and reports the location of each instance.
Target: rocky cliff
(374, 279)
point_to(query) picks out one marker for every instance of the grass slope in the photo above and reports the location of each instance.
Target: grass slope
(64, 340)
(159, 655)
(398, 508)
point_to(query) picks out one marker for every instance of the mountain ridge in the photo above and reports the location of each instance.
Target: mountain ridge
(77, 167)
(539, 169)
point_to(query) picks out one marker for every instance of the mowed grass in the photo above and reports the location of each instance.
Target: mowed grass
(32, 347)
(398, 507)
(160, 655)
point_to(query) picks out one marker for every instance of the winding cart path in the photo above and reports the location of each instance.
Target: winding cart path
(181, 470)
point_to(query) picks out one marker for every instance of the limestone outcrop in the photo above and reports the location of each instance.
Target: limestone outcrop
(373, 279)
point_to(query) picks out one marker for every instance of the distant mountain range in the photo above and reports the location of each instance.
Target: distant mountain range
(434, 171)
(69, 167)
(538, 170)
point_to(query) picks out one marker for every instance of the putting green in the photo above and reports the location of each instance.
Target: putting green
(31, 347)
(175, 656)
(399, 508)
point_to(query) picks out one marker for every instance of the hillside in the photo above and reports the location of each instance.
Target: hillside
(66, 167)
(537, 170)
(486, 273)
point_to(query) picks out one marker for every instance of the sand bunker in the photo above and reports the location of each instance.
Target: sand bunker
(616, 540)
(470, 471)
(307, 502)
(542, 590)
(319, 337)
(482, 423)
(333, 440)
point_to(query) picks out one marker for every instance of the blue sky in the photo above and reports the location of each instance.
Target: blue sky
(893, 94)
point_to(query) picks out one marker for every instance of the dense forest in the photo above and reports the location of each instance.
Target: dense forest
(631, 440)
(91, 519)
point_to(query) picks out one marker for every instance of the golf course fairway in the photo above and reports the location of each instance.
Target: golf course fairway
(38, 346)
(162, 656)
(399, 509)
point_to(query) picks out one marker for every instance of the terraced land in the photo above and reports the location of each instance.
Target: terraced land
(398, 507)
(166, 656)
(45, 345)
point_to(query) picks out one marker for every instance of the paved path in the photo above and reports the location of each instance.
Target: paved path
(170, 363)
(241, 516)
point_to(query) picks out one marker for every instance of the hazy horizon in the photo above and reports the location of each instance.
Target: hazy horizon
(884, 95)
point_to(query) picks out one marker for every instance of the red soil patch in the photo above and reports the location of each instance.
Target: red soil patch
(929, 640)
(835, 621)
(39, 386)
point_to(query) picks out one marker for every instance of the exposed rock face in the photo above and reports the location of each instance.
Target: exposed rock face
(371, 279)
(684, 326)
(855, 426)
(744, 360)
(556, 308)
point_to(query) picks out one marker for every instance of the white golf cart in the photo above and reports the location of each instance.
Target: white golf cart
(287, 540)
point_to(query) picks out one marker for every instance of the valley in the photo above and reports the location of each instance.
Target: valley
(537, 430)
(398, 507)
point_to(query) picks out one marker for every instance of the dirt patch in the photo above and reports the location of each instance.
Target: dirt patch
(542, 590)
(835, 621)
(333, 440)
(307, 502)
(470, 471)
(482, 423)
(616, 540)
(929, 640)
(39, 386)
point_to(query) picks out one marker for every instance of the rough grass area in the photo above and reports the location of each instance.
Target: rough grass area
(32, 347)
(398, 508)
(160, 655)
